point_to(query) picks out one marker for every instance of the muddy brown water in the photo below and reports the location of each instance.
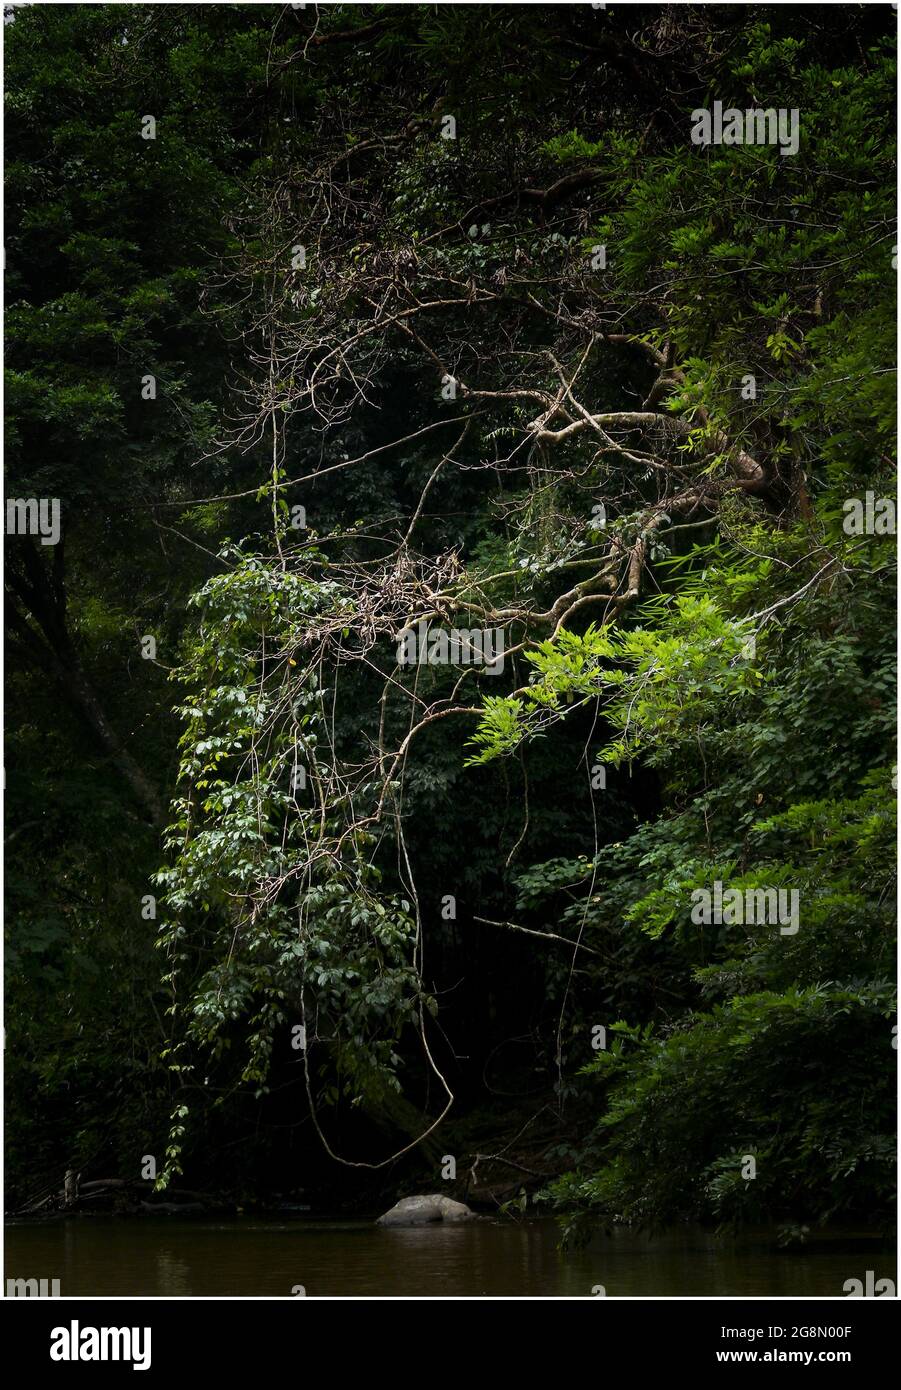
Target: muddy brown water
(265, 1257)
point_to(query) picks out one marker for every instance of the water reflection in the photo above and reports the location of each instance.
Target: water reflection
(251, 1256)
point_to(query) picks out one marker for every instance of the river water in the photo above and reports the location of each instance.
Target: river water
(259, 1257)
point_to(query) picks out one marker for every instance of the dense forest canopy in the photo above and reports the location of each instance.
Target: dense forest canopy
(476, 556)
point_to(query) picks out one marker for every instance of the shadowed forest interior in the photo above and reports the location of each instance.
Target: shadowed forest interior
(450, 730)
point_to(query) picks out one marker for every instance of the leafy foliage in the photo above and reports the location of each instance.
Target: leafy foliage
(559, 375)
